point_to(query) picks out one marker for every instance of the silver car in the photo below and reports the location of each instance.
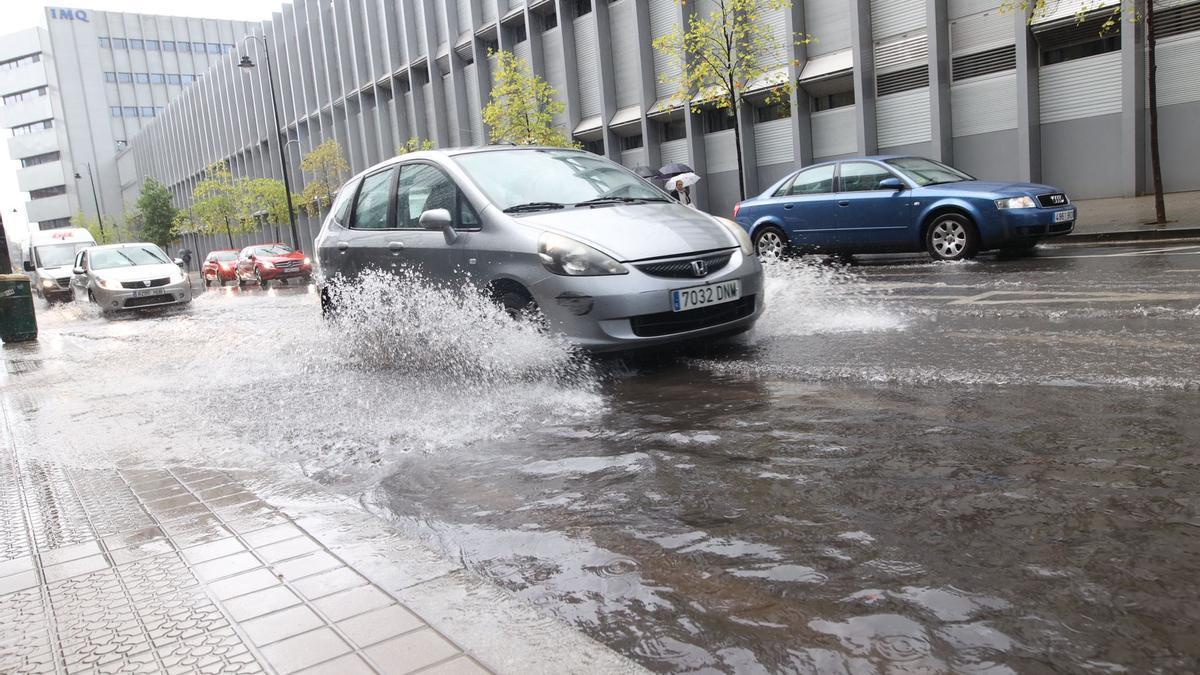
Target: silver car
(610, 260)
(129, 276)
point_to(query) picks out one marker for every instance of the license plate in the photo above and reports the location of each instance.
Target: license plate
(1064, 216)
(152, 291)
(684, 299)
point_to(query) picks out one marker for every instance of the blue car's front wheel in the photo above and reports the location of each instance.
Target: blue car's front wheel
(952, 236)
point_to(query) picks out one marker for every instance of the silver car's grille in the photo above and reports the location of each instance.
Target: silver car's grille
(142, 284)
(1052, 200)
(64, 282)
(688, 268)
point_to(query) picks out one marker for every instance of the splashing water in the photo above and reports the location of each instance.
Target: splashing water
(806, 297)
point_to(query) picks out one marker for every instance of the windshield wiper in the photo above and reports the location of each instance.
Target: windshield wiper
(534, 206)
(601, 201)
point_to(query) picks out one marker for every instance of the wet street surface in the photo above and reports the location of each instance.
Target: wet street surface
(906, 467)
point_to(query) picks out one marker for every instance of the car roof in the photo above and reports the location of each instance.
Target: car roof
(446, 153)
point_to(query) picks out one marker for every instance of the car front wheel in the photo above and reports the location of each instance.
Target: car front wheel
(951, 237)
(770, 243)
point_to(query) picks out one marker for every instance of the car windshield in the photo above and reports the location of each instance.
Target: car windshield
(57, 255)
(126, 256)
(224, 256)
(274, 249)
(552, 178)
(928, 172)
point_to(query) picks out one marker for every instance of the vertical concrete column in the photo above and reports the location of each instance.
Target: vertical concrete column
(648, 90)
(1133, 107)
(566, 33)
(862, 42)
(802, 143)
(942, 135)
(608, 86)
(438, 131)
(694, 125)
(1029, 124)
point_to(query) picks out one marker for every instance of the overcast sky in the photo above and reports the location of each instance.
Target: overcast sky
(20, 14)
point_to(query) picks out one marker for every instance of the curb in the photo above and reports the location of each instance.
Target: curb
(1133, 235)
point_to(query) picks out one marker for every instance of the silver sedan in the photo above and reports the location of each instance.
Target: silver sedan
(607, 258)
(129, 276)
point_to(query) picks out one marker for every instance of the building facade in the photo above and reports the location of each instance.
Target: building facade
(1051, 100)
(75, 92)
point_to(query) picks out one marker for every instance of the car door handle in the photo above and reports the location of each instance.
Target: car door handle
(395, 247)
(342, 247)
(788, 206)
(843, 203)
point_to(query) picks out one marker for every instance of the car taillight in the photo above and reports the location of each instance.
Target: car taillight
(736, 207)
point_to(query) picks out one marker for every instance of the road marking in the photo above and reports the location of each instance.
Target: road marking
(1174, 250)
(1071, 296)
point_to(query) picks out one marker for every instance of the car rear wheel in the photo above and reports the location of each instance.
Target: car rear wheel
(951, 237)
(770, 243)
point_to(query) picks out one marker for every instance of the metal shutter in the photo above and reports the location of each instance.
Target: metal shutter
(556, 73)
(587, 57)
(900, 54)
(1066, 10)
(720, 151)
(522, 52)
(783, 42)
(674, 151)
(828, 22)
(903, 118)
(984, 104)
(1081, 88)
(981, 32)
(623, 26)
(456, 137)
(895, 17)
(664, 16)
(1177, 80)
(833, 132)
(773, 142)
(464, 16)
(430, 110)
(633, 158)
(958, 8)
(475, 111)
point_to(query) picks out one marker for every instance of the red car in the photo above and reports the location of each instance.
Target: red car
(220, 266)
(263, 263)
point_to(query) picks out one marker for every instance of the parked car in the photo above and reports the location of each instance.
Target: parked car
(48, 256)
(608, 259)
(220, 266)
(264, 263)
(129, 276)
(893, 204)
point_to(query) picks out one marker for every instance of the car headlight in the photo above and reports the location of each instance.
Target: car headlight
(267, 264)
(571, 258)
(1016, 203)
(743, 237)
(307, 261)
(110, 284)
(48, 283)
(176, 276)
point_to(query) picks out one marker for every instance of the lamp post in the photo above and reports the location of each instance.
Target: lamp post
(95, 197)
(246, 64)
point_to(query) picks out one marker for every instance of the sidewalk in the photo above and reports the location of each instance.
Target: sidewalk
(1129, 219)
(190, 569)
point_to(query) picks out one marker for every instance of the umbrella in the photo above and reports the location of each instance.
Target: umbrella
(674, 170)
(689, 179)
(645, 171)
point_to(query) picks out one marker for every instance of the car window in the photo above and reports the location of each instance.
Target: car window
(467, 217)
(81, 259)
(814, 181)
(371, 207)
(422, 187)
(341, 208)
(861, 176)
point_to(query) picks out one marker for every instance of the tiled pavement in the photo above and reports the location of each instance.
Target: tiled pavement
(185, 570)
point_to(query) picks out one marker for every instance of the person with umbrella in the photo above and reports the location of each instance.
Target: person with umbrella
(681, 185)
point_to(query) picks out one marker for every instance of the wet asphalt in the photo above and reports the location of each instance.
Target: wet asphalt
(977, 467)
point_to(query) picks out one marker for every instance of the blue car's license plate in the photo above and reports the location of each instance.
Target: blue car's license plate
(1064, 216)
(684, 299)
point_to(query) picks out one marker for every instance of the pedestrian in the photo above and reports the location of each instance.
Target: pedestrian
(186, 255)
(683, 193)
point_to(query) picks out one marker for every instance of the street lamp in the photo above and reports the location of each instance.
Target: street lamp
(95, 197)
(246, 64)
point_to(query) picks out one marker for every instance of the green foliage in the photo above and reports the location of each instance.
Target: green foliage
(156, 213)
(522, 106)
(218, 203)
(415, 144)
(326, 165)
(261, 198)
(1036, 9)
(115, 230)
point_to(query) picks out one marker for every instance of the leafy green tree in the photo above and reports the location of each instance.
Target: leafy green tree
(262, 199)
(724, 55)
(326, 165)
(217, 205)
(115, 230)
(415, 144)
(522, 106)
(156, 213)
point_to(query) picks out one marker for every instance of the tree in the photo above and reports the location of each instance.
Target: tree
(722, 57)
(217, 204)
(522, 106)
(1132, 11)
(414, 144)
(264, 198)
(116, 230)
(156, 213)
(326, 164)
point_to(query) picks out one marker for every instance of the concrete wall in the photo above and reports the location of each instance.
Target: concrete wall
(915, 150)
(1179, 143)
(991, 156)
(722, 193)
(1082, 156)
(767, 175)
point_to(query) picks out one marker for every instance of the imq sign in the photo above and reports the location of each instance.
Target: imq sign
(68, 14)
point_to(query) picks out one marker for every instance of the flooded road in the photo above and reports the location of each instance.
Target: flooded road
(906, 467)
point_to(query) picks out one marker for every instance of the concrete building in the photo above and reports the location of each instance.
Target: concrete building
(75, 92)
(956, 80)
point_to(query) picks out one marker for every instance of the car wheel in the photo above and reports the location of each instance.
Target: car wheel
(262, 283)
(520, 305)
(770, 243)
(306, 281)
(328, 308)
(951, 237)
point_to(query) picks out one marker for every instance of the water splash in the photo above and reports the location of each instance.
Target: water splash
(806, 297)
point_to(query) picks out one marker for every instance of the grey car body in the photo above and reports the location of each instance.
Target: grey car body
(129, 276)
(658, 245)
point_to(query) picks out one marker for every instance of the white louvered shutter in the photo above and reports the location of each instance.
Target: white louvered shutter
(587, 57)
(984, 104)
(556, 73)
(833, 132)
(623, 27)
(773, 142)
(828, 22)
(664, 17)
(521, 51)
(674, 151)
(1081, 88)
(1177, 79)
(903, 118)
(896, 17)
(720, 151)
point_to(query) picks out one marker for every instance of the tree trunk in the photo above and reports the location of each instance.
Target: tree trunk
(1160, 205)
(737, 150)
(229, 232)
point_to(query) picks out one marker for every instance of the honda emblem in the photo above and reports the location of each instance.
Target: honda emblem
(699, 268)
(146, 284)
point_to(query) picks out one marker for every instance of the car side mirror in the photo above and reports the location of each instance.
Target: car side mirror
(79, 270)
(179, 261)
(892, 183)
(28, 265)
(439, 219)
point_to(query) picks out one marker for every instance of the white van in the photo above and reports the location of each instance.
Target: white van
(50, 257)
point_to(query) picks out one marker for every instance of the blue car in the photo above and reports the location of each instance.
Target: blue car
(891, 204)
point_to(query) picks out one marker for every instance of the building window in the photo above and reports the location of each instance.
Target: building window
(1079, 40)
(115, 110)
(631, 142)
(129, 111)
(829, 102)
(198, 47)
(583, 8)
(125, 77)
(172, 78)
(989, 61)
(119, 43)
(157, 78)
(769, 112)
(168, 45)
(147, 111)
(104, 43)
(902, 80)
(135, 43)
(518, 32)
(45, 158)
(110, 76)
(46, 193)
(20, 61)
(152, 45)
(550, 20)
(673, 130)
(141, 78)
(595, 147)
(26, 95)
(718, 119)
(32, 127)
(214, 48)
(187, 79)
(54, 223)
